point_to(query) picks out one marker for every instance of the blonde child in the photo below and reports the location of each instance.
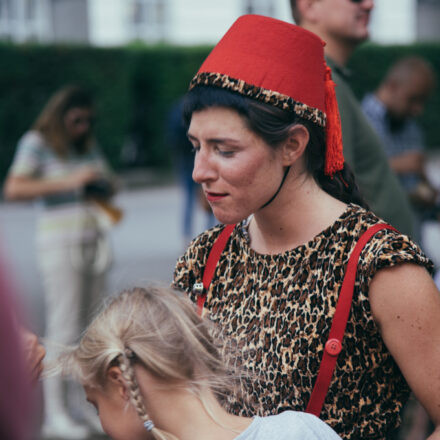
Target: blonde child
(150, 366)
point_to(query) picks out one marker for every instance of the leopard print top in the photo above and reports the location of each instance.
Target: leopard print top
(279, 309)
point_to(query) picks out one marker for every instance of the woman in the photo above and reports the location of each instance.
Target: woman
(57, 162)
(152, 369)
(256, 113)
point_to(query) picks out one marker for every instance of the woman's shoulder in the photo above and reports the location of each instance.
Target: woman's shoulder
(32, 138)
(290, 425)
(206, 237)
(192, 262)
(357, 218)
(387, 247)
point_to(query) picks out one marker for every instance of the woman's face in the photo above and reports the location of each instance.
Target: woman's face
(118, 417)
(78, 123)
(239, 172)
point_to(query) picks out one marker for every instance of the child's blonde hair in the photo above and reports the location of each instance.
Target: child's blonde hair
(159, 328)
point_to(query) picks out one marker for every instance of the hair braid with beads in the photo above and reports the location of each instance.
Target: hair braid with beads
(136, 397)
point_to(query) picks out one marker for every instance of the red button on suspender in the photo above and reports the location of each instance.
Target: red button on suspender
(333, 347)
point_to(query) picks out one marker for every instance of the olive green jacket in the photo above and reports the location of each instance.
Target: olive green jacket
(364, 152)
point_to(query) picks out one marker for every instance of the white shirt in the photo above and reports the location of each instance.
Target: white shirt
(289, 425)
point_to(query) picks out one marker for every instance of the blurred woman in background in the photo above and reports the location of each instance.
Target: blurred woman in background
(58, 163)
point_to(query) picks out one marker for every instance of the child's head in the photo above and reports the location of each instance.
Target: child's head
(145, 332)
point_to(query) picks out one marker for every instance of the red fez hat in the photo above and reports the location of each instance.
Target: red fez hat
(280, 64)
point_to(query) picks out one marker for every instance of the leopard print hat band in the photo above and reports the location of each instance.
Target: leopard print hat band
(276, 99)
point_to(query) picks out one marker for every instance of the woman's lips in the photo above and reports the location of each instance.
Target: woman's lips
(213, 197)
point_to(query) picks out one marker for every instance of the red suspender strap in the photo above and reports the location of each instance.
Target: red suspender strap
(333, 345)
(211, 264)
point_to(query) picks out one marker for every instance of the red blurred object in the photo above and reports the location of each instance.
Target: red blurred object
(14, 383)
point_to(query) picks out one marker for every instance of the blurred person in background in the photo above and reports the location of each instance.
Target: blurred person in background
(183, 160)
(58, 163)
(392, 110)
(343, 25)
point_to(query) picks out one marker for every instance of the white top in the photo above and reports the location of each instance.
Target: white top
(289, 425)
(64, 217)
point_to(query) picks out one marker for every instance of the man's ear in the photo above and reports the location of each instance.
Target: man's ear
(306, 10)
(295, 144)
(115, 380)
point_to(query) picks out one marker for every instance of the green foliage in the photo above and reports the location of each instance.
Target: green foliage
(29, 75)
(370, 63)
(160, 76)
(135, 86)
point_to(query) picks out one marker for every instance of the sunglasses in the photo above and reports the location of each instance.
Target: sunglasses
(356, 1)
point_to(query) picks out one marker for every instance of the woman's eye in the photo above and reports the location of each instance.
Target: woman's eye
(194, 149)
(225, 153)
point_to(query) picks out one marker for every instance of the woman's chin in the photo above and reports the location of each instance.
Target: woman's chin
(228, 218)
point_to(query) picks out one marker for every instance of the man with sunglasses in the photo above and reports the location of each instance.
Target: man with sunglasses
(343, 25)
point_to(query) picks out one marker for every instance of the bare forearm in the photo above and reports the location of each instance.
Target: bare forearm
(411, 162)
(27, 189)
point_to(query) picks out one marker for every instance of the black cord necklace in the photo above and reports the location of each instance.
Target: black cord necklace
(279, 188)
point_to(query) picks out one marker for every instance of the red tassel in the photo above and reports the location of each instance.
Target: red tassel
(334, 157)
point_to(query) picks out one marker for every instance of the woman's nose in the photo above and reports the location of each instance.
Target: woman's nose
(203, 169)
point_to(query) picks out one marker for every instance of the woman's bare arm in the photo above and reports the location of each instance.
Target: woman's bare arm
(28, 188)
(406, 306)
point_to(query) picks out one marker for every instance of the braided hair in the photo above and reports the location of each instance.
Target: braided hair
(159, 329)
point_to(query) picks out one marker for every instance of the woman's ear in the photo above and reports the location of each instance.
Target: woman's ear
(295, 144)
(117, 382)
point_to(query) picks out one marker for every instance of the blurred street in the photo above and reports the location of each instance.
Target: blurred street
(146, 243)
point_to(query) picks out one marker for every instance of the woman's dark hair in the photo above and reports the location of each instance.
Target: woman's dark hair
(272, 125)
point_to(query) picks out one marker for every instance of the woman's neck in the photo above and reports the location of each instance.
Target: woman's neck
(300, 212)
(183, 414)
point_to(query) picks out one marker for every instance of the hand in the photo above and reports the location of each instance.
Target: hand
(83, 175)
(408, 162)
(34, 354)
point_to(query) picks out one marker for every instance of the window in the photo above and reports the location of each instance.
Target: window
(10, 9)
(30, 9)
(148, 19)
(428, 18)
(261, 7)
(148, 12)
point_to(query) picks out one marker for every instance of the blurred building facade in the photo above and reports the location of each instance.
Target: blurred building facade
(187, 22)
(44, 21)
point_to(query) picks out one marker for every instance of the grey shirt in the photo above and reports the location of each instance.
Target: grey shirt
(289, 425)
